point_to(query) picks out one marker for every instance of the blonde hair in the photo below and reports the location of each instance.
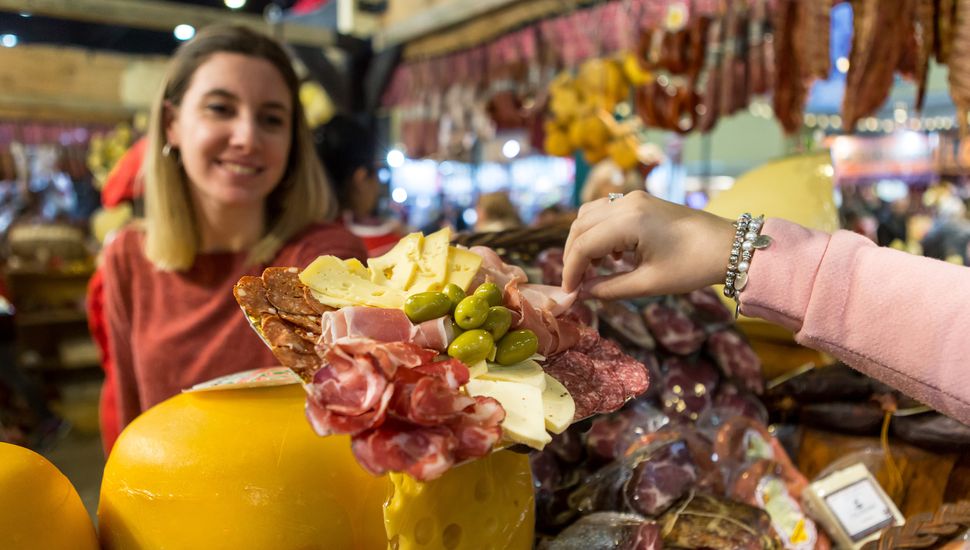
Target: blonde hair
(607, 177)
(302, 197)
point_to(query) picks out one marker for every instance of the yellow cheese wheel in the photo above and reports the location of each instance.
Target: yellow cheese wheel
(39, 508)
(487, 503)
(237, 469)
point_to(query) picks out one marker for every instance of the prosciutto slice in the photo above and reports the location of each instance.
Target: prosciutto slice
(494, 270)
(555, 335)
(384, 325)
(403, 410)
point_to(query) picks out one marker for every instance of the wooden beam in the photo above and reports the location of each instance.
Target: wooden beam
(164, 16)
(481, 30)
(442, 15)
(21, 107)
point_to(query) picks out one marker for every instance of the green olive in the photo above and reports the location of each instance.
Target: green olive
(516, 346)
(471, 312)
(497, 322)
(455, 294)
(491, 292)
(425, 306)
(472, 346)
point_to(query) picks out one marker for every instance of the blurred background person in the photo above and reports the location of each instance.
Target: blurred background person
(496, 213)
(348, 151)
(607, 177)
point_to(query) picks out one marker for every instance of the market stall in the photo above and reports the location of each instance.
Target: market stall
(449, 394)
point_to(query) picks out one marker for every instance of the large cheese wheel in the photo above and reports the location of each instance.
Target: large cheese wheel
(39, 508)
(487, 503)
(237, 469)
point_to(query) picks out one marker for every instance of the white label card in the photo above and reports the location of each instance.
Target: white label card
(860, 509)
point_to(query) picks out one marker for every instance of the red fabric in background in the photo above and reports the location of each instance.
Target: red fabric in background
(120, 186)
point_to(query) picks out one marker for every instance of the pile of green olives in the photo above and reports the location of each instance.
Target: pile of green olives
(480, 321)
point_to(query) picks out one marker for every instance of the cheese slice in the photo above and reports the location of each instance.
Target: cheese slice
(526, 372)
(336, 286)
(463, 265)
(433, 263)
(477, 370)
(558, 406)
(523, 410)
(398, 267)
(357, 268)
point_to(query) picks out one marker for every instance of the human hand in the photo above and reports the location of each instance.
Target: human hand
(676, 249)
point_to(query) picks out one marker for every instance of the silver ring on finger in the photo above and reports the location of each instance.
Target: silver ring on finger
(613, 196)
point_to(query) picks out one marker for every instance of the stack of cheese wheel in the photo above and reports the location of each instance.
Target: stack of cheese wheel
(39, 507)
(241, 468)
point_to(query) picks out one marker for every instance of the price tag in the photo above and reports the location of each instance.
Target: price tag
(860, 509)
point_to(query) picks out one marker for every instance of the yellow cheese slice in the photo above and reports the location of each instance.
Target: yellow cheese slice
(398, 267)
(558, 407)
(462, 267)
(336, 286)
(527, 372)
(433, 262)
(524, 421)
(357, 268)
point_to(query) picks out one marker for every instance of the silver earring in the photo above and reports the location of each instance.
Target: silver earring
(167, 150)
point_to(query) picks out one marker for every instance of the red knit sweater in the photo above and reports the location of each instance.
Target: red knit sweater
(170, 330)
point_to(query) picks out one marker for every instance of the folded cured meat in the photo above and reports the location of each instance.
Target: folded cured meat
(403, 411)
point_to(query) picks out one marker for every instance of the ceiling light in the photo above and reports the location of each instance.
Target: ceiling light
(511, 148)
(184, 32)
(842, 65)
(8, 40)
(395, 158)
(235, 4)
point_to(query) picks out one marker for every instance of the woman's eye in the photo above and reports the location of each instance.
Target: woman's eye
(219, 109)
(273, 121)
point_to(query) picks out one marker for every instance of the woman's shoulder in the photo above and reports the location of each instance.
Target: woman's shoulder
(124, 242)
(320, 239)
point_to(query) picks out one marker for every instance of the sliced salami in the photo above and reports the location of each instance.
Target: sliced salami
(250, 293)
(285, 291)
(572, 369)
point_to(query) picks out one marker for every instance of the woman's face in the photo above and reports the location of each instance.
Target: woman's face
(233, 130)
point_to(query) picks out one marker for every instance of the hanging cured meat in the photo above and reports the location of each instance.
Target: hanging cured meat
(877, 44)
(959, 73)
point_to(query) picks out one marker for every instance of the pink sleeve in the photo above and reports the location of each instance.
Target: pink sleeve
(899, 318)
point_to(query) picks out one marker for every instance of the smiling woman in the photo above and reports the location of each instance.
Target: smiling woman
(232, 183)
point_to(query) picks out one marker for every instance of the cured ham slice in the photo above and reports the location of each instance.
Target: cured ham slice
(384, 325)
(494, 270)
(555, 335)
(404, 411)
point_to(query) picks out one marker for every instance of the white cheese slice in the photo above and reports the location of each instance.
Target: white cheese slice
(433, 263)
(523, 410)
(558, 406)
(399, 266)
(527, 372)
(477, 370)
(336, 286)
(357, 268)
(463, 265)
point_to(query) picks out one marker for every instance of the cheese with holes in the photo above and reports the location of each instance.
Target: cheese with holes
(524, 419)
(462, 267)
(357, 268)
(487, 503)
(527, 372)
(330, 277)
(433, 262)
(399, 266)
(558, 407)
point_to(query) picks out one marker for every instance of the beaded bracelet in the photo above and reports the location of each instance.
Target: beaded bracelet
(747, 239)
